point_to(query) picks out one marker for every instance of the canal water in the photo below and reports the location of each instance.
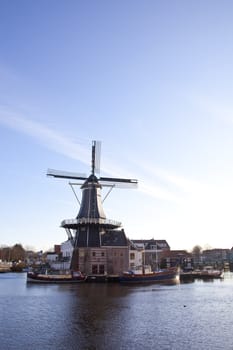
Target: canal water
(191, 316)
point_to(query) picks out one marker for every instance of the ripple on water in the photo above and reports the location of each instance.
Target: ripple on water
(109, 316)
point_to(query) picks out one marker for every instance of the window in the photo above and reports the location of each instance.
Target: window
(101, 269)
(94, 269)
(132, 256)
(81, 253)
(93, 253)
(102, 253)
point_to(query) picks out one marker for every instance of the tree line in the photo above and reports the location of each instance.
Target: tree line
(14, 253)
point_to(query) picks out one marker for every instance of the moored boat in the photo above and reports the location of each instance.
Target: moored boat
(73, 277)
(208, 272)
(145, 275)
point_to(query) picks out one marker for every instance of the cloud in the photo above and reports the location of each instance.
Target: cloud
(158, 192)
(46, 136)
(145, 186)
(60, 143)
(180, 182)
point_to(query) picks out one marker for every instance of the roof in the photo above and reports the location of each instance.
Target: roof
(175, 253)
(150, 243)
(114, 238)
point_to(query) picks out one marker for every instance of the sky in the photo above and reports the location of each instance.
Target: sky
(153, 81)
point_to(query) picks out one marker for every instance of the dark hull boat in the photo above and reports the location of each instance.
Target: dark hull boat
(170, 275)
(75, 277)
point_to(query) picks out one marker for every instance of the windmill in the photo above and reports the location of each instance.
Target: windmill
(91, 221)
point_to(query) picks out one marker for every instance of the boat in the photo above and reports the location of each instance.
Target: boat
(208, 272)
(65, 277)
(144, 274)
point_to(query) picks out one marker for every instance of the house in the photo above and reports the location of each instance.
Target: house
(148, 251)
(216, 257)
(180, 258)
(110, 258)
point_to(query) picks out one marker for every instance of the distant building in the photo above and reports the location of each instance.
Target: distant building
(57, 248)
(147, 252)
(136, 256)
(52, 256)
(172, 258)
(215, 257)
(151, 244)
(67, 250)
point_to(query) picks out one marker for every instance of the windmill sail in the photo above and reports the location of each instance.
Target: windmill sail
(97, 145)
(95, 168)
(118, 183)
(65, 174)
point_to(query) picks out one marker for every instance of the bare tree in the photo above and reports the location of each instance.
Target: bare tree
(196, 251)
(17, 253)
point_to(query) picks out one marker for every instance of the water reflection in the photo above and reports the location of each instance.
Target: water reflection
(96, 314)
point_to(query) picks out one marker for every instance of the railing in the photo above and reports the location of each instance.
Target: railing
(90, 221)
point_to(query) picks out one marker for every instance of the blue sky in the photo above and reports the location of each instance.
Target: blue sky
(153, 81)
